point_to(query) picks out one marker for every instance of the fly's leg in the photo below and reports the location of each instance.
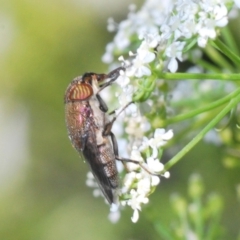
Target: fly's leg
(125, 160)
(102, 105)
(113, 75)
(108, 126)
(137, 162)
(114, 143)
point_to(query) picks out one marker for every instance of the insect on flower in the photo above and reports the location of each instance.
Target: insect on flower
(89, 129)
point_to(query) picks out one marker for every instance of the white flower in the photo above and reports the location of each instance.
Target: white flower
(108, 56)
(145, 51)
(114, 216)
(160, 139)
(144, 144)
(135, 155)
(174, 51)
(210, 17)
(128, 180)
(166, 174)
(137, 125)
(111, 25)
(155, 36)
(151, 40)
(135, 203)
(155, 180)
(154, 165)
(135, 216)
(220, 12)
(237, 2)
(173, 65)
(121, 39)
(174, 27)
(162, 25)
(123, 80)
(125, 97)
(139, 67)
(90, 182)
(144, 186)
(97, 192)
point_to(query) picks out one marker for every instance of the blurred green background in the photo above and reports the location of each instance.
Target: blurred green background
(43, 45)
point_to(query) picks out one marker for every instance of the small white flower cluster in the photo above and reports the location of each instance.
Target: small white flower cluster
(162, 30)
(154, 38)
(91, 182)
(141, 181)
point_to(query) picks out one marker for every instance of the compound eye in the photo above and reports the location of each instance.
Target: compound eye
(80, 91)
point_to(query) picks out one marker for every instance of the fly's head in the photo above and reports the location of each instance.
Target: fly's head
(94, 80)
(98, 81)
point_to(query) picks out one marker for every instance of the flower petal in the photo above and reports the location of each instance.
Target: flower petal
(135, 216)
(173, 65)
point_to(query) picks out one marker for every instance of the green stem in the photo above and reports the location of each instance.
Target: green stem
(225, 50)
(194, 127)
(163, 232)
(218, 58)
(199, 76)
(185, 224)
(196, 112)
(202, 133)
(229, 39)
(213, 227)
(207, 66)
(198, 220)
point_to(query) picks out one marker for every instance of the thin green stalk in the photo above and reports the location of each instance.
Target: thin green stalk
(163, 232)
(226, 51)
(213, 225)
(199, 218)
(195, 126)
(199, 76)
(229, 39)
(218, 58)
(202, 133)
(185, 224)
(207, 66)
(196, 112)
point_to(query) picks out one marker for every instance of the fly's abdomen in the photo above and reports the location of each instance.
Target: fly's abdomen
(101, 159)
(107, 158)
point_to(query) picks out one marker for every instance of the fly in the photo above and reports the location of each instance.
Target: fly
(89, 128)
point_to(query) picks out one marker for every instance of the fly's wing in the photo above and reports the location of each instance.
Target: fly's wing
(92, 155)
